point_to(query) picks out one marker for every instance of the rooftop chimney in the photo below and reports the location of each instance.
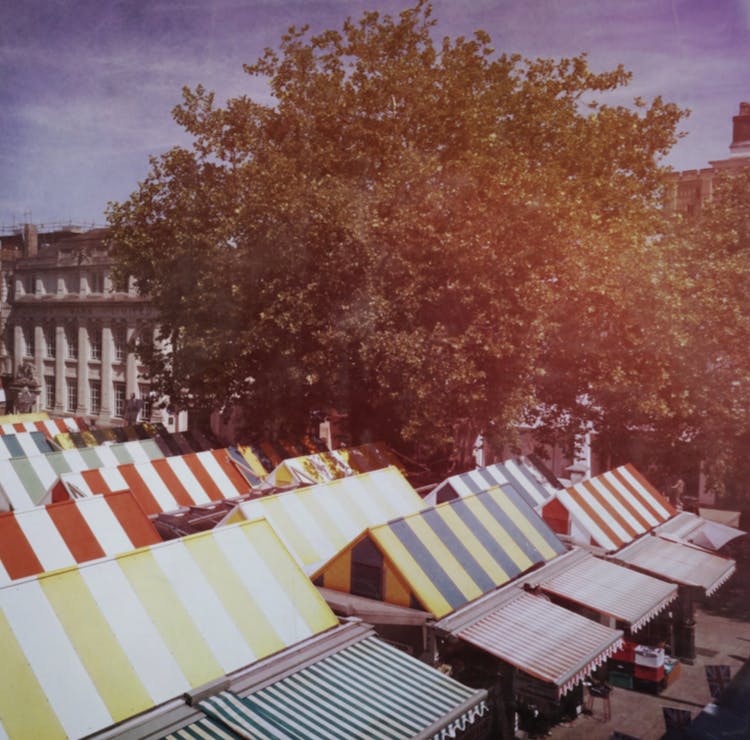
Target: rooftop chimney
(741, 131)
(30, 240)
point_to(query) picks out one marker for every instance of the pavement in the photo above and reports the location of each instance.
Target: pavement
(722, 638)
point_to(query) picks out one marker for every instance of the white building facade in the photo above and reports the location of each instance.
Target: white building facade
(64, 316)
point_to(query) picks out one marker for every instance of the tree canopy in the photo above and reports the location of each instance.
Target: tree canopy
(426, 234)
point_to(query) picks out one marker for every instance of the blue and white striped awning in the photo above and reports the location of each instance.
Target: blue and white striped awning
(367, 690)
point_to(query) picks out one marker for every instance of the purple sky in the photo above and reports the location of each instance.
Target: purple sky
(87, 86)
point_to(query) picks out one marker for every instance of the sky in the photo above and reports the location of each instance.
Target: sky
(87, 87)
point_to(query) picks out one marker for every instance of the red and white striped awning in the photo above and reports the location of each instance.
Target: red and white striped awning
(167, 484)
(60, 535)
(50, 427)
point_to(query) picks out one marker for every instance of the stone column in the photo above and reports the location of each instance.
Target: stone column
(39, 351)
(131, 366)
(60, 354)
(83, 370)
(108, 356)
(18, 347)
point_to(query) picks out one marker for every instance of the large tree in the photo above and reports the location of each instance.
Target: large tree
(411, 232)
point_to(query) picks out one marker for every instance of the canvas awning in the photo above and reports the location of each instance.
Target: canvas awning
(368, 689)
(323, 467)
(610, 510)
(696, 530)
(615, 591)
(677, 562)
(50, 427)
(316, 522)
(166, 484)
(50, 537)
(511, 473)
(445, 556)
(545, 641)
(91, 646)
(24, 444)
(29, 482)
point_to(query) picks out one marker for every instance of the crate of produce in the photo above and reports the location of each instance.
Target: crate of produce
(621, 680)
(648, 656)
(626, 654)
(648, 673)
(621, 666)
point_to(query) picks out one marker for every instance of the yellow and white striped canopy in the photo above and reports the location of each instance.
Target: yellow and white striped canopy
(316, 522)
(90, 646)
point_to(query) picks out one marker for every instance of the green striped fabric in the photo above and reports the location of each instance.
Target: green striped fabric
(367, 690)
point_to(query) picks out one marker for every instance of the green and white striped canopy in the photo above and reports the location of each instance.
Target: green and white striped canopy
(367, 690)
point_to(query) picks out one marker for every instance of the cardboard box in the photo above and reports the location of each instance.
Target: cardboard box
(649, 657)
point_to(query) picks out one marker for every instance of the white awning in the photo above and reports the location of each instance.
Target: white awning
(677, 562)
(543, 640)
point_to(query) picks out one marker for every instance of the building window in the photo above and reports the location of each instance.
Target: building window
(119, 389)
(95, 396)
(50, 341)
(28, 340)
(120, 342)
(29, 284)
(96, 282)
(71, 340)
(95, 343)
(72, 393)
(50, 397)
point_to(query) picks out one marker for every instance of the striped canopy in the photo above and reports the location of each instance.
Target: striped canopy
(91, 646)
(678, 562)
(629, 597)
(28, 482)
(511, 474)
(60, 535)
(24, 444)
(323, 467)
(50, 427)
(316, 522)
(610, 510)
(368, 689)
(445, 556)
(544, 640)
(165, 484)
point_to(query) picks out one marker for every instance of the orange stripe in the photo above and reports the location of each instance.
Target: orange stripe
(77, 534)
(139, 489)
(206, 481)
(626, 500)
(593, 515)
(623, 501)
(16, 553)
(653, 491)
(139, 527)
(173, 483)
(230, 469)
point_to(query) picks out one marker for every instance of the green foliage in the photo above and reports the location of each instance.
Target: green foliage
(418, 233)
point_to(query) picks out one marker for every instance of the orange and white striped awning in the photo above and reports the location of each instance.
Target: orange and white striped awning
(167, 484)
(610, 510)
(59, 535)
